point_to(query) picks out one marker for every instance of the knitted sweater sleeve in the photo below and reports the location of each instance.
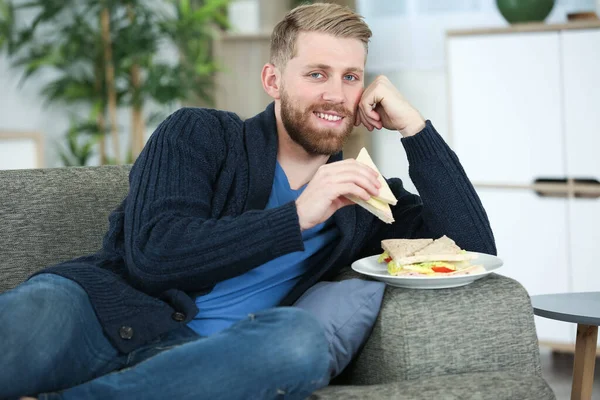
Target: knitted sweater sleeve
(171, 240)
(447, 203)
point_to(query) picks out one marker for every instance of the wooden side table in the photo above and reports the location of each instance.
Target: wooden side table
(582, 309)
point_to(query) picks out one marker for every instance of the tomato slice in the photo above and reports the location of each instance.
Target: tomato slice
(387, 260)
(442, 269)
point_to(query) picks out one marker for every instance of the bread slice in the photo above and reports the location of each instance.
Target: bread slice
(443, 245)
(385, 193)
(378, 208)
(414, 251)
(400, 248)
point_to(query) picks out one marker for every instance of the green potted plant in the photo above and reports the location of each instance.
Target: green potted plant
(103, 55)
(519, 11)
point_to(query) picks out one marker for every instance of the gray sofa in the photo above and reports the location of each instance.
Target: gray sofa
(473, 342)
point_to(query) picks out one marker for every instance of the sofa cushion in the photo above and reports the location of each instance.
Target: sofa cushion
(485, 326)
(347, 310)
(475, 386)
(54, 214)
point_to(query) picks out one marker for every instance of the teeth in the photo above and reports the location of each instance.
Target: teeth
(329, 117)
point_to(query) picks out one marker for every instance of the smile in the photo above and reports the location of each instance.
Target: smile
(328, 117)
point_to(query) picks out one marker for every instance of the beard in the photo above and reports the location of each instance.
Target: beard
(313, 140)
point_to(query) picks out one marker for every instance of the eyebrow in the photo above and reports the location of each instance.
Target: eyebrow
(327, 67)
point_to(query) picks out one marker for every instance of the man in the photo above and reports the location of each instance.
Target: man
(224, 221)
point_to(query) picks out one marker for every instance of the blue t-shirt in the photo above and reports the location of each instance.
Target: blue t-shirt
(265, 286)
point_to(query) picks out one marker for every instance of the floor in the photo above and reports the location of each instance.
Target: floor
(557, 369)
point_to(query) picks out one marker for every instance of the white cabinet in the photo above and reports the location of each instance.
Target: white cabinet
(530, 233)
(505, 104)
(523, 106)
(584, 229)
(581, 87)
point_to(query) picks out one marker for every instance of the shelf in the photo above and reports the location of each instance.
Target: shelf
(526, 27)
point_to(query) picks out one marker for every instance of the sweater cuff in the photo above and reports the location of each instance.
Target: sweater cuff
(284, 225)
(424, 145)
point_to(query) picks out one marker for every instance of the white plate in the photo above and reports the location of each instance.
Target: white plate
(369, 266)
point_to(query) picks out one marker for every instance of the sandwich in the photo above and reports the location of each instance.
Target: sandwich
(380, 204)
(427, 257)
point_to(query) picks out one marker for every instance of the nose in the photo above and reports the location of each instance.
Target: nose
(334, 92)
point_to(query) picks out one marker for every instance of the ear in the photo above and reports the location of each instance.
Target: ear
(271, 80)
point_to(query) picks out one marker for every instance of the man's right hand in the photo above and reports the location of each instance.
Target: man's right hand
(324, 194)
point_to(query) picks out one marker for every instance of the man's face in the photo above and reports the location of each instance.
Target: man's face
(320, 90)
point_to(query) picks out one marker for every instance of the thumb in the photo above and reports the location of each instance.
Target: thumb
(343, 201)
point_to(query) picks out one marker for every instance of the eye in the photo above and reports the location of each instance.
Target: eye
(316, 75)
(350, 78)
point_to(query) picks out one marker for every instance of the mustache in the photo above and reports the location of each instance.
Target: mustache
(338, 109)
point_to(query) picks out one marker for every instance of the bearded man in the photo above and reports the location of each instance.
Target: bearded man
(225, 225)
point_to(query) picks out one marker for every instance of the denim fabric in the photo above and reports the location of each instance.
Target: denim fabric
(53, 347)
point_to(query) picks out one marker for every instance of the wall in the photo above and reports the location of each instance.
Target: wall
(418, 71)
(426, 91)
(21, 109)
(408, 46)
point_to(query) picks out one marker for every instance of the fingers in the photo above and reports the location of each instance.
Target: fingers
(350, 164)
(367, 121)
(343, 202)
(364, 120)
(361, 118)
(370, 106)
(354, 190)
(326, 191)
(352, 172)
(367, 114)
(367, 184)
(375, 116)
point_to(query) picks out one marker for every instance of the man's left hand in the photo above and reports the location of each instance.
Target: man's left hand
(382, 105)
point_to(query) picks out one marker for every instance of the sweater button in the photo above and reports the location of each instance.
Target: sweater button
(179, 317)
(126, 332)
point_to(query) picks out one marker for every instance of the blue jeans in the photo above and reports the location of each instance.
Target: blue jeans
(52, 346)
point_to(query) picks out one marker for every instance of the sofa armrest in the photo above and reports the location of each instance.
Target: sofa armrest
(485, 326)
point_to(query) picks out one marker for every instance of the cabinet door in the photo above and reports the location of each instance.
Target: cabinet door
(581, 65)
(584, 228)
(584, 220)
(531, 239)
(505, 106)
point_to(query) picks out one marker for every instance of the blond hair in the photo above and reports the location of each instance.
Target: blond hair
(332, 19)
